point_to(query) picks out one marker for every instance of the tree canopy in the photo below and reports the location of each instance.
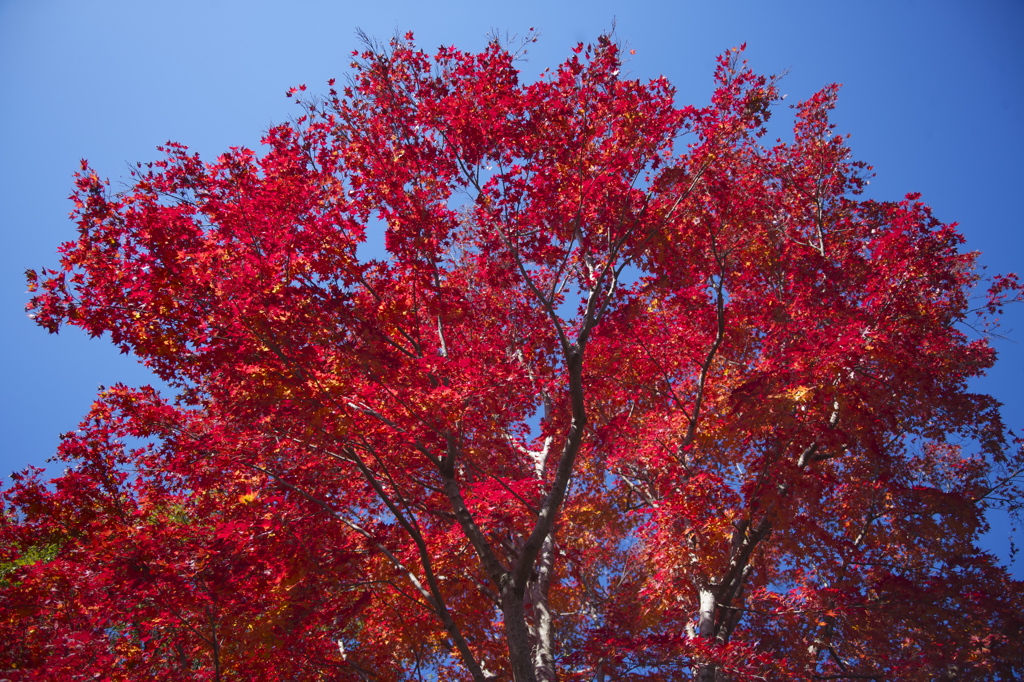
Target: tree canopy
(634, 395)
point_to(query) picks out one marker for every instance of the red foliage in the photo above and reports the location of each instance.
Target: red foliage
(633, 397)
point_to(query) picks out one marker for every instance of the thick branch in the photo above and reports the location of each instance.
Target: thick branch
(553, 502)
(488, 558)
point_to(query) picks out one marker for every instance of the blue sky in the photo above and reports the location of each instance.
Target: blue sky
(933, 95)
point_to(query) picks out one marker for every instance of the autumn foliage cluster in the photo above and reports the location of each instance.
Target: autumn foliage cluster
(632, 395)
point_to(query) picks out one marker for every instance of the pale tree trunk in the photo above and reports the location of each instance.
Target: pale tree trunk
(537, 592)
(706, 630)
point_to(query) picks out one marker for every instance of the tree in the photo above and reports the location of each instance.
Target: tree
(632, 397)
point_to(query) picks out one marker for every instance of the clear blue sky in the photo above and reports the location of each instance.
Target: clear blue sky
(932, 96)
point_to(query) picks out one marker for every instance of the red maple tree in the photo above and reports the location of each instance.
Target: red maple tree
(632, 397)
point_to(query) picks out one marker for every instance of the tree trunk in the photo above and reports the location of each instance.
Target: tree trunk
(706, 630)
(543, 652)
(517, 635)
(706, 673)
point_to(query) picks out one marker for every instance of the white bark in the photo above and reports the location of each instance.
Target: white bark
(706, 629)
(543, 652)
(706, 622)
